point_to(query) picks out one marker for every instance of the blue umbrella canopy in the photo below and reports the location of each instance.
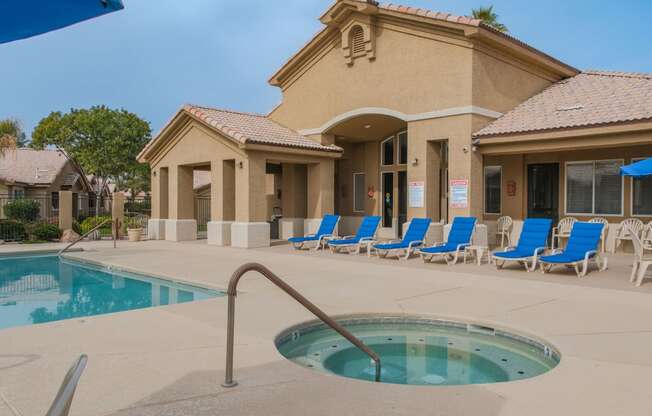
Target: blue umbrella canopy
(638, 169)
(20, 19)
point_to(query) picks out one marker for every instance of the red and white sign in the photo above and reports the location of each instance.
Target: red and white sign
(459, 193)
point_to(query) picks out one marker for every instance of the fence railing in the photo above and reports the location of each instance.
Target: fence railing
(17, 212)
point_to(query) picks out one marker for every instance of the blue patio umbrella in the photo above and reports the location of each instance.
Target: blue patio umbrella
(20, 19)
(638, 170)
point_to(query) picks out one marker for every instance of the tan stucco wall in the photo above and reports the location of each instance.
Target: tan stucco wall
(515, 168)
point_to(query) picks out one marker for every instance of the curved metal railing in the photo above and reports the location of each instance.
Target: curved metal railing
(232, 292)
(97, 227)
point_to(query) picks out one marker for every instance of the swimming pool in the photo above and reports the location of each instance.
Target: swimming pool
(45, 288)
(419, 351)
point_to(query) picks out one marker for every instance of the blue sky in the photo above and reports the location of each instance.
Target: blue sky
(151, 60)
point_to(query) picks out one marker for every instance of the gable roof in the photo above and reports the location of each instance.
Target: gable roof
(436, 18)
(591, 98)
(31, 167)
(244, 129)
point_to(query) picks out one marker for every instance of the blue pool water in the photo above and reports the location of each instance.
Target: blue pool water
(38, 289)
(419, 351)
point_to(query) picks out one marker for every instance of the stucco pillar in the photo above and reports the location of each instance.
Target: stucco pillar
(181, 225)
(321, 193)
(293, 200)
(222, 202)
(250, 229)
(118, 210)
(160, 200)
(65, 210)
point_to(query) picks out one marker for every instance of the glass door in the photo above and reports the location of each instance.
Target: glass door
(402, 200)
(387, 179)
(543, 191)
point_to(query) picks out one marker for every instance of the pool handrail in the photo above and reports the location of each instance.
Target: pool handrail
(97, 227)
(265, 272)
(62, 401)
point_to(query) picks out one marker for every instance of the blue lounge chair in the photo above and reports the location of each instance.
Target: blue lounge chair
(326, 230)
(582, 246)
(364, 237)
(531, 245)
(459, 237)
(414, 237)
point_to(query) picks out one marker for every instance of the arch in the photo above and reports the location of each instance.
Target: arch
(352, 114)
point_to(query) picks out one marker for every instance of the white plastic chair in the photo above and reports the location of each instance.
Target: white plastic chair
(504, 225)
(562, 230)
(642, 259)
(627, 228)
(603, 240)
(647, 235)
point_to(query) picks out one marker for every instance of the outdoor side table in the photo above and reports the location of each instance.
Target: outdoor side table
(479, 253)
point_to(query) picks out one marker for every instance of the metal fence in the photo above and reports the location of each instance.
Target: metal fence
(16, 212)
(89, 210)
(138, 212)
(202, 215)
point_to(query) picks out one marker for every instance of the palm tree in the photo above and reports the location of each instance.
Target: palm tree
(487, 15)
(11, 134)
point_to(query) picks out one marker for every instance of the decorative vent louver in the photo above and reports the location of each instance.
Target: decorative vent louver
(357, 41)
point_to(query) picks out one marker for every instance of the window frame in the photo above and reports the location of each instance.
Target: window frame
(354, 192)
(593, 213)
(398, 148)
(484, 190)
(382, 153)
(631, 191)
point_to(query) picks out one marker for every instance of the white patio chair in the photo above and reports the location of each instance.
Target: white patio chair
(625, 230)
(647, 235)
(562, 230)
(642, 259)
(504, 226)
(605, 230)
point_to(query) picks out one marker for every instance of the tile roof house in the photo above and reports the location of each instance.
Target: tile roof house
(405, 112)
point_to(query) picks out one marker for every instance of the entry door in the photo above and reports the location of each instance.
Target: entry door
(402, 201)
(543, 191)
(388, 198)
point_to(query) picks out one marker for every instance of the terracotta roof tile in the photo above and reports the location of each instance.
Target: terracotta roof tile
(590, 98)
(255, 129)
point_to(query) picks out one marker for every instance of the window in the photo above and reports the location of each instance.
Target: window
(402, 148)
(357, 41)
(641, 195)
(492, 181)
(19, 193)
(55, 200)
(387, 152)
(594, 188)
(359, 192)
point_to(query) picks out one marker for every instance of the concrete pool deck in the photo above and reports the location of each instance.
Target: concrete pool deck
(170, 360)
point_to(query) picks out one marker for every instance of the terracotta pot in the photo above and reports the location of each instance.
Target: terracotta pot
(135, 234)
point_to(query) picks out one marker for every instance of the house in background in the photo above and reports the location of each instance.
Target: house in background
(40, 175)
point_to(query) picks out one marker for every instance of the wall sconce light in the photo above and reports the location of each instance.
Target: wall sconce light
(465, 149)
(415, 161)
(154, 173)
(240, 164)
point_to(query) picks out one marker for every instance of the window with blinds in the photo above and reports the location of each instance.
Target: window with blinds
(492, 181)
(594, 188)
(357, 41)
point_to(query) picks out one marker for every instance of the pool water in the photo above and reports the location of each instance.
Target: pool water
(419, 351)
(38, 289)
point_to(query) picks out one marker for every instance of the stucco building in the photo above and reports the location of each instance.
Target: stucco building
(403, 112)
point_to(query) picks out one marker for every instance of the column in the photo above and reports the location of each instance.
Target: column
(250, 229)
(181, 225)
(160, 199)
(222, 202)
(293, 200)
(118, 210)
(321, 196)
(65, 210)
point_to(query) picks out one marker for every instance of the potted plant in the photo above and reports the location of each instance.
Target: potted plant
(134, 229)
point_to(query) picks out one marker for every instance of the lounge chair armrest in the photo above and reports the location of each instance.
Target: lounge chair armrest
(510, 248)
(393, 241)
(438, 244)
(556, 251)
(367, 240)
(311, 235)
(461, 246)
(346, 237)
(539, 250)
(589, 254)
(414, 243)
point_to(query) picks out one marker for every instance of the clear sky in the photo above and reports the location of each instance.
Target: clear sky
(156, 55)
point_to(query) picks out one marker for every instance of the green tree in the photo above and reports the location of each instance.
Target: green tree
(104, 141)
(11, 134)
(487, 15)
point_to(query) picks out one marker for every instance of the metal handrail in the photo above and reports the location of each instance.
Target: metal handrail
(62, 401)
(102, 224)
(232, 292)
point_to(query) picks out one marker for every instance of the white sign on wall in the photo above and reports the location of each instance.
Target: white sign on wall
(459, 193)
(416, 194)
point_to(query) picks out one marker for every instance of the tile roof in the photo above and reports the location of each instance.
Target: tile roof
(246, 128)
(31, 167)
(591, 98)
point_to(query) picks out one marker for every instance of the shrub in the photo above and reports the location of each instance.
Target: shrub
(12, 230)
(92, 222)
(45, 231)
(25, 210)
(76, 227)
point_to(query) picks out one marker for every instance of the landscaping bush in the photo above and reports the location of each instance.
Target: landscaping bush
(76, 227)
(44, 231)
(24, 210)
(92, 222)
(12, 230)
